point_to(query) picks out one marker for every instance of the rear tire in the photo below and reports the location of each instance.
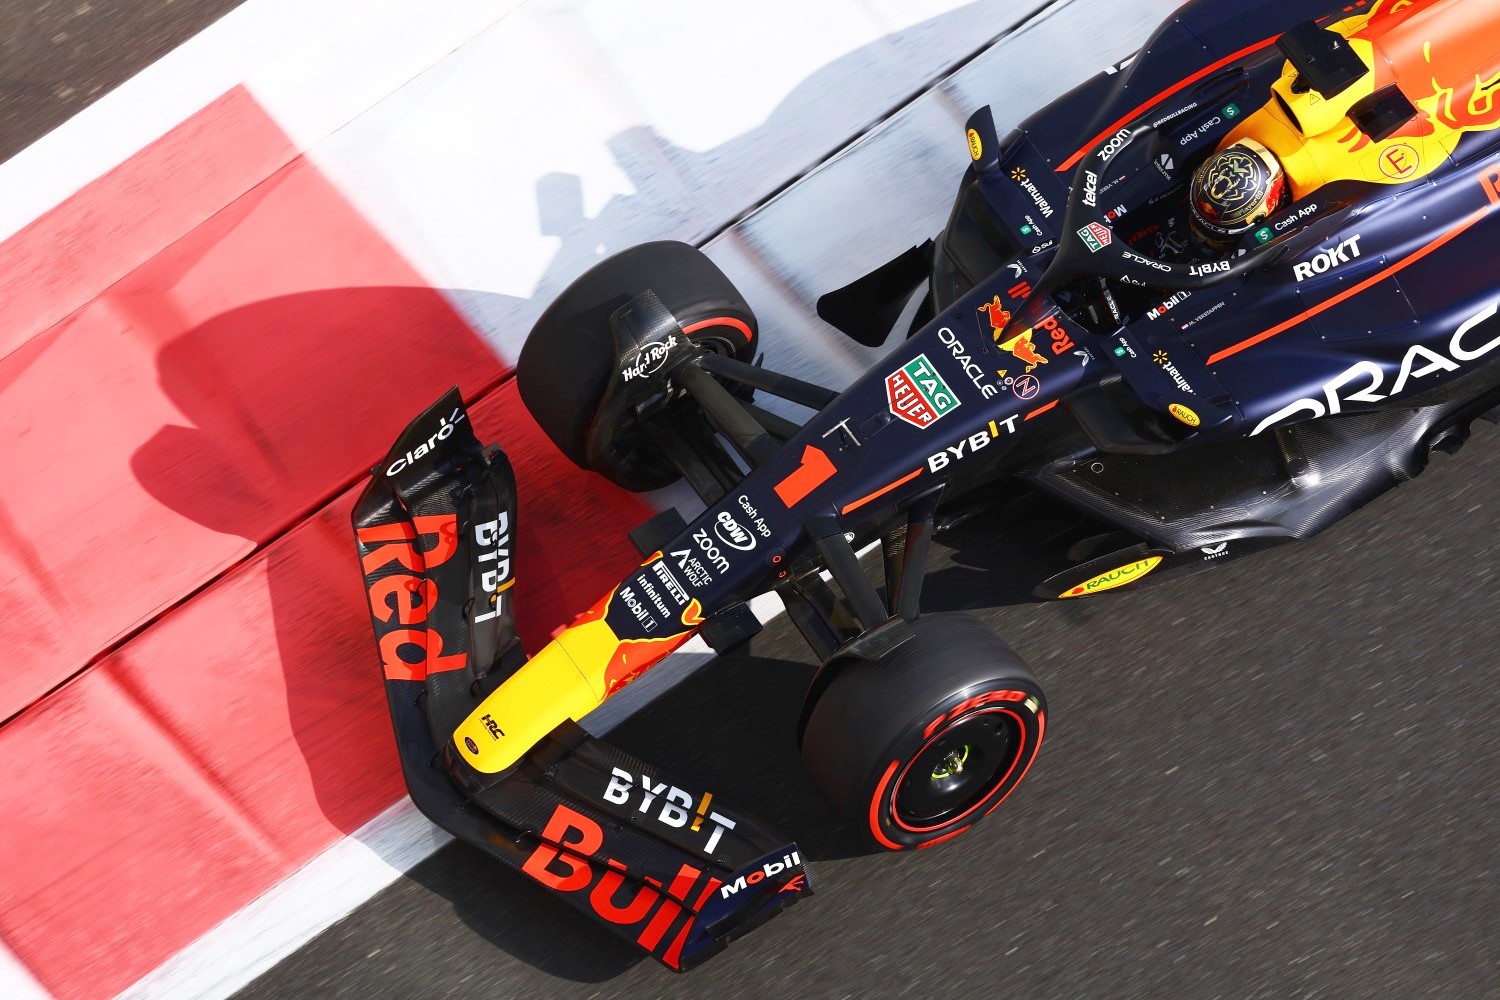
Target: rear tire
(567, 360)
(919, 746)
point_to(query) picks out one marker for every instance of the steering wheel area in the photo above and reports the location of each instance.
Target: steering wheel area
(1088, 248)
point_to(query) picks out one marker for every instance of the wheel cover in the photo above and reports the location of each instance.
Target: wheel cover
(958, 769)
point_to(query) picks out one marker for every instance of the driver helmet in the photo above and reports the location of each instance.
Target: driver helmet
(1234, 191)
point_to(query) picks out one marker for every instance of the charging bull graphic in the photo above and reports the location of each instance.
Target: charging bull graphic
(1019, 345)
(1444, 56)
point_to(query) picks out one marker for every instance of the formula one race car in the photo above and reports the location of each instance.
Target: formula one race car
(1213, 300)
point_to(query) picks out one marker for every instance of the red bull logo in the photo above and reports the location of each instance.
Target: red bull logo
(1020, 345)
(1442, 54)
(1024, 350)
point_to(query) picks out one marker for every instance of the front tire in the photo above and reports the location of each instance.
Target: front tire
(566, 362)
(919, 746)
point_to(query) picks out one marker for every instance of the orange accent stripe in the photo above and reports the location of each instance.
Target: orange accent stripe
(881, 492)
(1072, 161)
(875, 806)
(1348, 292)
(1041, 409)
(739, 325)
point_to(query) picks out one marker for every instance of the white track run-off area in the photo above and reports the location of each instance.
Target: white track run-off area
(504, 146)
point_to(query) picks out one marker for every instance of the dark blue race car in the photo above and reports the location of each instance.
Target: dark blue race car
(1212, 301)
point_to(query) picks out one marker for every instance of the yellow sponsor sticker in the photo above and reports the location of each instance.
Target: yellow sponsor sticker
(1184, 414)
(1119, 577)
(976, 148)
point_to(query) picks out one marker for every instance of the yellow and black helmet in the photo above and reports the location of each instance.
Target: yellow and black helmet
(1235, 190)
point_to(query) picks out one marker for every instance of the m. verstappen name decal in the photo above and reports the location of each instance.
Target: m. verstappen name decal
(676, 806)
(443, 433)
(917, 394)
(1360, 382)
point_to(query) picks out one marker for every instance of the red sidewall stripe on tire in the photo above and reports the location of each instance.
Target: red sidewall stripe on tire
(1020, 752)
(730, 321)
(1041, 731)
(875, 808)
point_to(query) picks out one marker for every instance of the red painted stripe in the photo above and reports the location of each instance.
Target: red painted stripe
(192, 412)
(1349, 292)
(1139, 109)
(729, 321)
(1041, 409)
(875, 804)
(197, 407)
(881, 492)
(938, 840)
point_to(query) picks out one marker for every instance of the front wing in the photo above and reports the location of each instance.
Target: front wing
(668, 868)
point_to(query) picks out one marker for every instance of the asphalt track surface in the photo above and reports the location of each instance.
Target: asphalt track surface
(1277, 779)
(58, 56)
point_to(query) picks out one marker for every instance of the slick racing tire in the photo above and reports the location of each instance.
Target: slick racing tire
(567, 360)
(919, 746)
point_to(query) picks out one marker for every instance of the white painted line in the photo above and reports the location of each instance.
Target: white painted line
(328, 888)
(16, 981)
(313, 66)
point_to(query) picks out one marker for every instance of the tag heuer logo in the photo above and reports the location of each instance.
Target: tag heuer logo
(917, 393)
(1095, 236)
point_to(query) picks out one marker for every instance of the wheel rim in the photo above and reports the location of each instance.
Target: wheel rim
(958, 769)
